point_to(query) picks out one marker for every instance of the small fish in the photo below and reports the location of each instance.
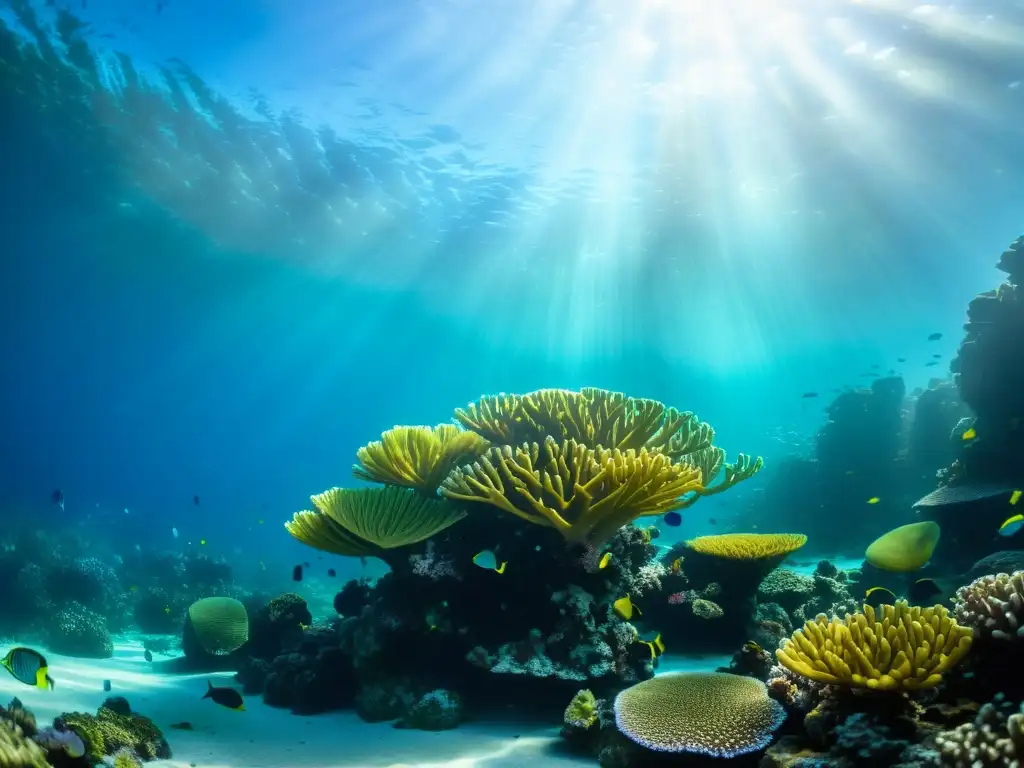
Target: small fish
(1014, 498)
(605, 559)
(174, 532)
(808, 395)
(126, 510)
(331, 572)
(624, 608)
(1011, 525)
(874, 500)
(305, 565)
(226, 697)
(673, 518)
(653, 641)
(259, 522)
(881, 595)
(875, 367)
(133, 588)
(148, 655)
(488, 561)
(712, 521)
(901, 359)
(935, 337)
(929, 365)
(937, 356)
(263, 566)
(969, 434)
(106, 686)
(195, 500)
(677, 566)
(297, 573)
(167, 610)
(202, 542)
(58, 498)
(28, 667)
(923, 590)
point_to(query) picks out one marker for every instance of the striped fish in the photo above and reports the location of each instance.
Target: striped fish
(28, 667)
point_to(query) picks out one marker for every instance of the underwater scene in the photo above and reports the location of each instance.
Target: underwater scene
(500, 383)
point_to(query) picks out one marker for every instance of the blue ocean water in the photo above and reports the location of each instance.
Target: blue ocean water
(241, 240)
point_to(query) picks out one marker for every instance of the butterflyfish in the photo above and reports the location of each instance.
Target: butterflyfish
(653, 641)
(880, 595)
(489, 561)
(28, 667)
(624, 608)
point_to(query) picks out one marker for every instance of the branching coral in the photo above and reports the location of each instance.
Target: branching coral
(995, 738)
(910, 648)
(362, 522)
(417, 457)
(17, 751)
(993, 606)
(586, 494)
(713, 713)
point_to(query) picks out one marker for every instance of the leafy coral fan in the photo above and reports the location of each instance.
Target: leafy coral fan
(712, 713)
(994, 738)
(993, 606)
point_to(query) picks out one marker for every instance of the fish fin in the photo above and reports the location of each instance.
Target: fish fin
(209, 690)
(240, 708)
(501, 568)
(639, 612)
(41, 678)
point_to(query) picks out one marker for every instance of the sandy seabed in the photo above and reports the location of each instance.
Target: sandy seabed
(264, 737)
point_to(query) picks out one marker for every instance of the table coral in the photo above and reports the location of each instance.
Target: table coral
(417, 457)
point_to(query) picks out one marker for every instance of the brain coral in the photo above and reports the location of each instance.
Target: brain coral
(992, 606)
(707, 713)
(221, 624)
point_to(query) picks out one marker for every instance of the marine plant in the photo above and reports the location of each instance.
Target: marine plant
(363, 522)
(417, 457)
(908, 649)
(582, 710)
(711, 713)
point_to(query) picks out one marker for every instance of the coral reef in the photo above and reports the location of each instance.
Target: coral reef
(77, 631)
(107, 732)
(437, 710)
(994, 738)
(216, 626)
(909, 648)
(17, 750)
(992, 606)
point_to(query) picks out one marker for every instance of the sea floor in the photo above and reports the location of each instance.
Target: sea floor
(264, 737)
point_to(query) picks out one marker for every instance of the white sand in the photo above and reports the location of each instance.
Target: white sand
(263, 737)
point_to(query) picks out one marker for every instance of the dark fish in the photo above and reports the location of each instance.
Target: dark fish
(148, 655)
(28, 667)
(875, 366)
(226, 697)
(922, 590)
(195, 500)
(305, 565)
(809, 395)
(879, 595)
(937, 357)
(901, 359)
(712, 521)
(57, 497)
(106, 686)
(935, 337)
(673, 518)
(929, 365)
(297, 573)
(331, 572)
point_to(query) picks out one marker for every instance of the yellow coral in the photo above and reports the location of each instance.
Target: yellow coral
(748, 546)
(592, 416)
(417, 457)
(584, 493)
(910, 648)
(582, 710)
(359, 522)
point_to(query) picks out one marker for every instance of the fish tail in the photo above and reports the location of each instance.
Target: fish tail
(501, 568)
(209, 690)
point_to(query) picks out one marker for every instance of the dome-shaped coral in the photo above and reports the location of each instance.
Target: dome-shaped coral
(221, 624)
(748, 546)
(417, 457)
(709, 713)
(904, 549)
(993, 606)
(910, 648)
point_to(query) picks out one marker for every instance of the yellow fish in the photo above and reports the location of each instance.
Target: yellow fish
(677, 565)
(874, 500)
(167, 610)
(624, 608)
(202, 542)
(607, 558)
(1015, 497)
(1011, 525)
(970, 434)
(654, 643)
(881, 594)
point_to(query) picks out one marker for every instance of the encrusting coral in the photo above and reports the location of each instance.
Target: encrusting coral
(586, 494)
(992, 606)
(417, 457)
(712, 713)
(361, 522)
(108, 731)
(910, 648)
